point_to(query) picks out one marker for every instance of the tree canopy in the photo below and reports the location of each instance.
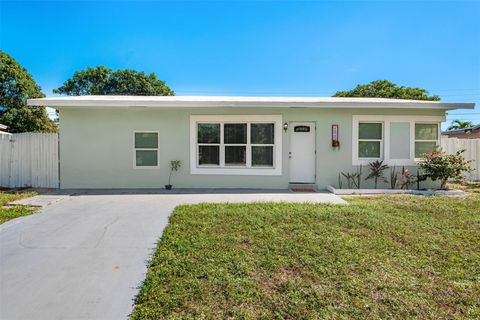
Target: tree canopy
(387, 89)
(105, 81)
(459, 124)
(16, 86)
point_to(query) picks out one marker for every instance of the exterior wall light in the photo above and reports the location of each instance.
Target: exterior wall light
(285, 126)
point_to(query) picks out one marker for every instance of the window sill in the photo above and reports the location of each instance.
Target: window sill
(146, 167)
(389, 162)
(237, 171)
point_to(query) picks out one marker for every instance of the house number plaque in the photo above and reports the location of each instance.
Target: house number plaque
(335, 140)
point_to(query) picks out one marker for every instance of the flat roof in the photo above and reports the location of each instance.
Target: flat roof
(233, 101)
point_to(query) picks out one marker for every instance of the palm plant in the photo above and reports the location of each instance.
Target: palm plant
(459, 124)
(359, 176)
(393, 177)
(376, 171)
(174, 166)
(351, 179)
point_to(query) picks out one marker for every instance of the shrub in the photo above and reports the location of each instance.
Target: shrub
(406, 179)
(376, 171)
(438, 165)
(353, 179)
(393, 177)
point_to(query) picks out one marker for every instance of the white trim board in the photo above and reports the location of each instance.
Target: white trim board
(246, 102)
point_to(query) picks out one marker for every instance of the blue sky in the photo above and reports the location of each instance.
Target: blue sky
(255, 48)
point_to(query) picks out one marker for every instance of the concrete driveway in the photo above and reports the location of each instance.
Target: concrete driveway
(84, 256)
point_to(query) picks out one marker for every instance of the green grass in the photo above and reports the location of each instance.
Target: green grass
(378, 258)
(13, 212)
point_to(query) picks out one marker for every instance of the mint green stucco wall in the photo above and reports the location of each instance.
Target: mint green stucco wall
(96, 146)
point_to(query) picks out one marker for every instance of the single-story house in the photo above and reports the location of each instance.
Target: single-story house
(237, 142)
(465, 133)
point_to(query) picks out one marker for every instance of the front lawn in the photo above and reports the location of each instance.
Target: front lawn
(8, 213)
(380, 257)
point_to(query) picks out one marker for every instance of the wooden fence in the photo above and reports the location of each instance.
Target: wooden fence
(472, 147)
(29, 160)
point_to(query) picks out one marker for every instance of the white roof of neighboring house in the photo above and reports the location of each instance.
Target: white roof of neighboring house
(3, 127)
(460, 131)
(231, 101)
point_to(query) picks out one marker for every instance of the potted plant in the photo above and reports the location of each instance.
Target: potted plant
(174, 166)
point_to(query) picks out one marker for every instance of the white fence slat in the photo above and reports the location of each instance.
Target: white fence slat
(472, 147)
(5, 159)
(29, 160)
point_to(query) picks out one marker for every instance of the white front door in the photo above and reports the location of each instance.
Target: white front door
(302, 152)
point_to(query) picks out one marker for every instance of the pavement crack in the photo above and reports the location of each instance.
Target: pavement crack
(105, 228)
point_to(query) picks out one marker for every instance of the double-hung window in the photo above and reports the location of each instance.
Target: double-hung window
(236, 144)
(208, 144)
(145, 149)
(426, 138)
(370, 140)
(262, 144)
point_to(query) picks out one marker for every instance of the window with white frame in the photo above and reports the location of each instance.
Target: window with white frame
(396, 139)
(262, 139)
(370, 140)
(146, 149)
(426, 138)
(231, 144)
(208, 136)
(238, 145)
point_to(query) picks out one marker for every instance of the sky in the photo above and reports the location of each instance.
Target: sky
(261, 48)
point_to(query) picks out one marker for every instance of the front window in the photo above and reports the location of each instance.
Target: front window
(146, 149)
(370, 140)
(208, 144)
(236, 145)
(235, 139)
(263, 143)
(426, 138)
(398, 140)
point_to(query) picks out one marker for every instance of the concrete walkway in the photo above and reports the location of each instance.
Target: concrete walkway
(84, 256)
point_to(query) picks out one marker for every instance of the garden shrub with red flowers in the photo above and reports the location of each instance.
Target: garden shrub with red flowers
(438, 165)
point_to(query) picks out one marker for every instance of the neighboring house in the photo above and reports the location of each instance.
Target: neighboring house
(237, 142)
(465, 133)
(3, 129)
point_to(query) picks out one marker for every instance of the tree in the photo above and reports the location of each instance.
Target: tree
(459, 124)
(105, 81)
(16, 86)
(387, 89)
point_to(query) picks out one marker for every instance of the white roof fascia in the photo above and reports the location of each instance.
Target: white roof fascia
(245, 102)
